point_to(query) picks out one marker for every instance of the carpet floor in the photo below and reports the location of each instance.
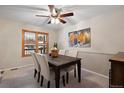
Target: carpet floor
(23, 78)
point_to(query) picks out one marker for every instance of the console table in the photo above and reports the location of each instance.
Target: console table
(116, 74)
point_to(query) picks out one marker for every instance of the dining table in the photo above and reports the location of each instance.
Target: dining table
(62, 62)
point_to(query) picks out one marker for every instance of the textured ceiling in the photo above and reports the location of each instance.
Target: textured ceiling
(27, 13)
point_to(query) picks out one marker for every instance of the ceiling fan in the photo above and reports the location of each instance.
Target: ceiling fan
(56, 15)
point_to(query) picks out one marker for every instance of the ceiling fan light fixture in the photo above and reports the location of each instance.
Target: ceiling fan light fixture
(55, 16)
(55, 21)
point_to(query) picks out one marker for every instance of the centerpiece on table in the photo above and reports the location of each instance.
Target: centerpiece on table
(54, 51)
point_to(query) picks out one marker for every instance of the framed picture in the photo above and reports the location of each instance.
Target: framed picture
(80, 38)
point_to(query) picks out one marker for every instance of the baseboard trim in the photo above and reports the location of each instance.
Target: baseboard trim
(98, 74)
(14, 68)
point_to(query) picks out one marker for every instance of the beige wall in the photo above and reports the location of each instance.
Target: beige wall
(97, 62)
(11, 44)
(107, 35)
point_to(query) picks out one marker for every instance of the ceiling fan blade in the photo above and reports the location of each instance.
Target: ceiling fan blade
(63, 21)
(42, 16)
(67, 14)
(51, 7)
(49, 22)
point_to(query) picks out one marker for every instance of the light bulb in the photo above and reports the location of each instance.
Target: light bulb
(57, 21)
(52, 20)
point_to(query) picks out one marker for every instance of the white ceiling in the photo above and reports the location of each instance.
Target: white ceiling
(27, 14)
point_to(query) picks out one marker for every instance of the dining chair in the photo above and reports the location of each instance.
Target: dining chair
(37, 68)
(71, 53)
(46, 73)
(61, 52)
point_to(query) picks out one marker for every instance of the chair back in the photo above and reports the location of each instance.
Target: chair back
(45, 70)
(36, 64)
(61, 52)
(71, 53)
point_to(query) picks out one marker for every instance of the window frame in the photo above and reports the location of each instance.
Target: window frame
(36, 37)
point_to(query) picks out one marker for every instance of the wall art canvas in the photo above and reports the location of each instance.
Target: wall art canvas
(80, 38)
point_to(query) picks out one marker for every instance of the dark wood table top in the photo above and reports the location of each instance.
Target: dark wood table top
(62, 60)
(118, 57)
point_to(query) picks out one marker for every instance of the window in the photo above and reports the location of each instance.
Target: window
(34, 42)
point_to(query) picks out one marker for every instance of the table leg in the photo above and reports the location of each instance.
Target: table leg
(79, 71)
(57, 77)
